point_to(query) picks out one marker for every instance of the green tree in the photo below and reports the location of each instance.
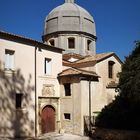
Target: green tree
(129, 83)
(124, 111)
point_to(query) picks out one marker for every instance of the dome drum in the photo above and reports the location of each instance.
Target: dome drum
(56, 34)
(83, 44)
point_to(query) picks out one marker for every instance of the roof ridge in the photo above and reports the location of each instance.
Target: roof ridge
(104, 53)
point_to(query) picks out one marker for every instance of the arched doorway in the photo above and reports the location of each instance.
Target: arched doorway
(48, 119)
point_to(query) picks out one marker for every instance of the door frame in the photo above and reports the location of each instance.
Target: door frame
(49, 101)
(49, 106)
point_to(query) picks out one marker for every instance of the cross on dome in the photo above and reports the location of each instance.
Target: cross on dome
(69, 1)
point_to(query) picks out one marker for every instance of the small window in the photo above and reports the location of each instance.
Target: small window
(9, 59)
(48, 66)
(67, 89)
(88, 44)
(71, 43)
(110, 69)
(52, 43)
(19, 97)
(67, 116)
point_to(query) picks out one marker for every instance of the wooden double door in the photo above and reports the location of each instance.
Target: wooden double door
(48, 119)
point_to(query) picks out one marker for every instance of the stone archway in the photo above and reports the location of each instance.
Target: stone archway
(48, 119)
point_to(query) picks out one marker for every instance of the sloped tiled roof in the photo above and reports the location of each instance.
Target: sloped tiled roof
(102, 56)
(66, 57)
(74, 71)
(81, 60)
(86, 59)
(93, 59)
(25, 40)
(96, 57)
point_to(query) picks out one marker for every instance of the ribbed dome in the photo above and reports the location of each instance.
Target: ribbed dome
(69, 17)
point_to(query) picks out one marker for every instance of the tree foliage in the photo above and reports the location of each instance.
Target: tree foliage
(129, 83)
(124, 111)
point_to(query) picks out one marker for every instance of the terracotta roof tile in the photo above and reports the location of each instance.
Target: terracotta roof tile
(86, 59)
(66, 57)
(74, 71)
(102, 56)
(93, 59)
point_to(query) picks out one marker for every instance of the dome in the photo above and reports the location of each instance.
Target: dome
(69, 17)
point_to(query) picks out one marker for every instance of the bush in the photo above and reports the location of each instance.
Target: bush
(120, 114)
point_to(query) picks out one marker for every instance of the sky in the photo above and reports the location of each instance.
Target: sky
(117, 21)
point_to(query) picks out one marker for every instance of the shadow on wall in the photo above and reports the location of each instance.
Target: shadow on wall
(15, 105)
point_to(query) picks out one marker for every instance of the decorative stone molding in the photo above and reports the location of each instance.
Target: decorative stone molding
(48, 91)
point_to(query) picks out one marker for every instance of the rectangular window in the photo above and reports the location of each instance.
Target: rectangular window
(9, 59)
(67, 88)
(88, 44)
(19, 100)
(67, 116)
(110, 69)
(48, 66)
(71, 43)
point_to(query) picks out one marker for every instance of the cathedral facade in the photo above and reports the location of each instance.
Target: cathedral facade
(59, 84)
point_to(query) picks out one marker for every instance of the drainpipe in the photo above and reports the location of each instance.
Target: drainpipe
(35, 95)
(90, 106)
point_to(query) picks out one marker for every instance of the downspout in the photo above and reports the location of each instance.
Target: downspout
(35, 95)
(90, 106)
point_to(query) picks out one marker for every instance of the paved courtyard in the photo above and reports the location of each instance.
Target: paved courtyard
(56, 136)
(53, 136)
